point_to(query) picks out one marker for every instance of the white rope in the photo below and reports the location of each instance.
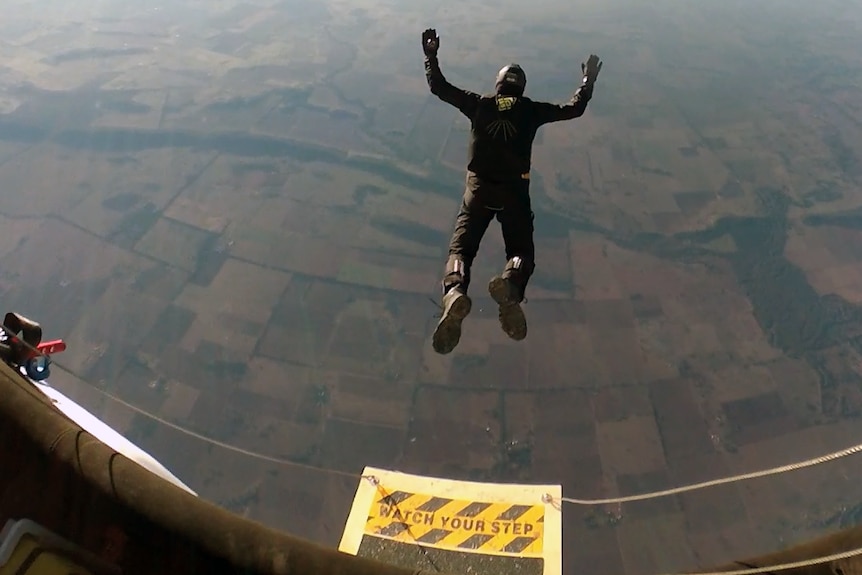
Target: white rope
(783, 566)
(721, 481)
(548, 498)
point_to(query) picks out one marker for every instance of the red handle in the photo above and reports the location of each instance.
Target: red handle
(53, 346)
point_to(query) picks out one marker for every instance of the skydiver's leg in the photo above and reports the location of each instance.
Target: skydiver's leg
(508, 289)
(470, 226)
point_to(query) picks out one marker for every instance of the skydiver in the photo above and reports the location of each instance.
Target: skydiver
(503, 126)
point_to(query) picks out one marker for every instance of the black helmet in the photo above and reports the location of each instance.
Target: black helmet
(511, 80)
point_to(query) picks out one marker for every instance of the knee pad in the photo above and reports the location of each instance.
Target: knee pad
(518, 271)
(457, 273)
(457, 265)
(518, 266)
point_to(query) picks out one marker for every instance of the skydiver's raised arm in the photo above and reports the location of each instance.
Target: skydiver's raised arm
(575, 107)
(464, 100)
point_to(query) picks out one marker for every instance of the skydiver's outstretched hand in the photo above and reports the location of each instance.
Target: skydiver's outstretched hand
(430, 42)
(591, 68)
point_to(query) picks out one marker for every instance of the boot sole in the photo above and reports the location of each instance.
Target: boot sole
(512, 318)
(448, 332)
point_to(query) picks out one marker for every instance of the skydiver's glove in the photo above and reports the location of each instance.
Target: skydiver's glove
(430, 42)
(591, 69)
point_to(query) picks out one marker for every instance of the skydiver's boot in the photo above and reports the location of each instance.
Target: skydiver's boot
(508, 291)
(456, 306)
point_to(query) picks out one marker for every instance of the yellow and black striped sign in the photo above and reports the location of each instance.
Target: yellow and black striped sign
(475, 526)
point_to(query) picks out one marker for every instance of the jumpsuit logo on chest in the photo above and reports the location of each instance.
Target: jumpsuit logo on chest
(503, 126)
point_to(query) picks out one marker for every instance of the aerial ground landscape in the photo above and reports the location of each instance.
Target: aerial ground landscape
(236, 214)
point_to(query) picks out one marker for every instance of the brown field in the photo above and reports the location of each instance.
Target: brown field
(213, 199)
(16, 231)
(174, 243)
(401, 111)
(44, 180)
(317, 184)
(830, 258)
(67, 253)
(148, 119)
(331, 132)
(117, 188)
(326, 97)
(241, 290)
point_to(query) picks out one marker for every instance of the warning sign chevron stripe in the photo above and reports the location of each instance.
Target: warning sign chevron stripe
(495, 528)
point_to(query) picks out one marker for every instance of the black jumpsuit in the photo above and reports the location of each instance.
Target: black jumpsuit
(498, 173)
